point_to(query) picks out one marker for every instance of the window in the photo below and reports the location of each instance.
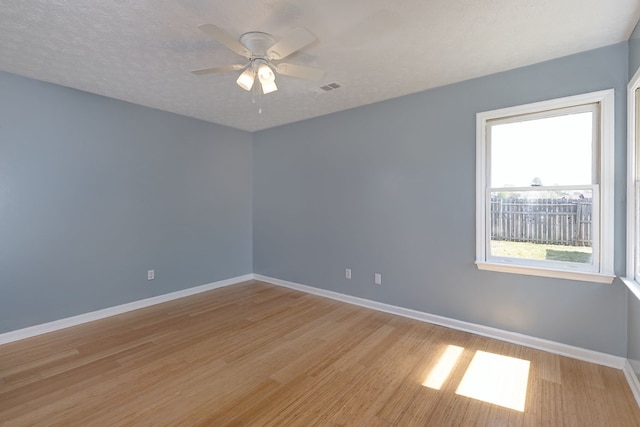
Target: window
(544, 202)
(632, 279)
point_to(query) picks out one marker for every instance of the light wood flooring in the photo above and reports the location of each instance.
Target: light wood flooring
(257, 354)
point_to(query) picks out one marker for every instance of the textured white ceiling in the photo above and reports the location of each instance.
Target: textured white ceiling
(141, 51)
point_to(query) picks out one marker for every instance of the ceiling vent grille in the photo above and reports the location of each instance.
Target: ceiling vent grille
(331, 86)
(327, 88)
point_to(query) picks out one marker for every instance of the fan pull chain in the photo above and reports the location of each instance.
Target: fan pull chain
(257, 92)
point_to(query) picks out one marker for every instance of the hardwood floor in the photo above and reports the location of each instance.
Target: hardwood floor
(257, 354)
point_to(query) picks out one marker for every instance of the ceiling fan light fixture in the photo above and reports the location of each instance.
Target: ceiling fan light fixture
(268, 87)
(267, 78)
(265, 72)
(246, 79)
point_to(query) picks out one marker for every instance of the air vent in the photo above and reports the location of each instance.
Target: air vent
(327, 88)
(331, 86)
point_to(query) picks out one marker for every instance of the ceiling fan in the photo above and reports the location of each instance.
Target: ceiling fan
(264, 54)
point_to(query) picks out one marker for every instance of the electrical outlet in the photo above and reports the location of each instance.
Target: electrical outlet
(377, 278)
(347, 273)
(151, 274)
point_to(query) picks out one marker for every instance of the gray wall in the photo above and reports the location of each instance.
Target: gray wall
(633, 332)
(390, 188)
(634, 50)
(94, 191)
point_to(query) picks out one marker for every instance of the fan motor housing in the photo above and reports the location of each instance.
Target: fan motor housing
(257, 42)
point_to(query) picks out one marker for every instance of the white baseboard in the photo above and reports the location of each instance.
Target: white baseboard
(31, 331)
(512, 337)
(632, 379)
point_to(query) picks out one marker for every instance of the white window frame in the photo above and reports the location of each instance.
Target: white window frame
(602, 270)
(632, 279)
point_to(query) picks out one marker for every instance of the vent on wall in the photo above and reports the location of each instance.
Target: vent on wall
(328, 87)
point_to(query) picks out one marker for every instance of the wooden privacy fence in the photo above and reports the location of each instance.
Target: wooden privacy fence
(551, 221)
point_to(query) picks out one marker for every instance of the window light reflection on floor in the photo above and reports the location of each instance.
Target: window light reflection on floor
(443, 368)
(496, 379)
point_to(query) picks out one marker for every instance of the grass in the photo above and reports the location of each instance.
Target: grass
(580, 254)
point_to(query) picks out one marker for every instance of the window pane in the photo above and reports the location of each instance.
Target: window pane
(542, 225)
(549, 151)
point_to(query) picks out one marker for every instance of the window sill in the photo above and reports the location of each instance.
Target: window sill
(633, 286)
(583, 276)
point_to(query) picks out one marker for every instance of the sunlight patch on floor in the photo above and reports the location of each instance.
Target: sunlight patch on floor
(443, 368)
(496, 379)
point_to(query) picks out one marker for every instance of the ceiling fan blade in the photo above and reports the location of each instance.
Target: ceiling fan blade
(226, 39)
(204, 71)
(294, 41)
(300, 71)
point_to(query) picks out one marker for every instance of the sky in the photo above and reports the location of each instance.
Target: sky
(557, 150)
